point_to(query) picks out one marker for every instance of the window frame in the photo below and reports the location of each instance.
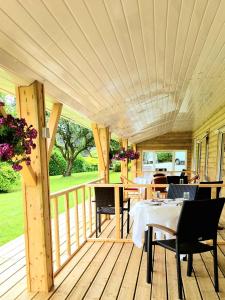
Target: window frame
(173, 158)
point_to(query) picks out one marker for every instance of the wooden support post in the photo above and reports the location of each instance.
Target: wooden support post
(52, 125)
(134, 164)
(31, 106)
(124, 164)
(101, 136)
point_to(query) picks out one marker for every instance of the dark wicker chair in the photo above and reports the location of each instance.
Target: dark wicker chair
(177, 191)
(189, 236)
(205, 193)
(160, 180)
(105, 204)
(176, 179)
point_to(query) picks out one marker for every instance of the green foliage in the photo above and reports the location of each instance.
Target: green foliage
(79, 165)
(57, 163)
(8, 177)
(72, 140)
(116, 166)
(164, 157)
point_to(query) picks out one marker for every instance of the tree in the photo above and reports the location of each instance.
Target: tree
(72, 139)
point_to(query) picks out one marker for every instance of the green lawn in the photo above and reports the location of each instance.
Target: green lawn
(11, 220)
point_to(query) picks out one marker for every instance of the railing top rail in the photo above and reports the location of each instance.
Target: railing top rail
(73, 188)
(213, 185)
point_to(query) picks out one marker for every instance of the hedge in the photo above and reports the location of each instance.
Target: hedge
(8, 177)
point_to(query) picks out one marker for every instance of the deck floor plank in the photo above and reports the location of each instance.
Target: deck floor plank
(109, 271)
(159, 284)
(127, 290)
(113, 285)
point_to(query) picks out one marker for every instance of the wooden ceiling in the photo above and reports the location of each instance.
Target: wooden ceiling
(142, 67)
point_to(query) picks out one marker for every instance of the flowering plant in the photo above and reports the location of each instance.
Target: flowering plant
(123, 154)
(16, 140)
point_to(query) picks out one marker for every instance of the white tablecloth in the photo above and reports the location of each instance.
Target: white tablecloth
(144, 213)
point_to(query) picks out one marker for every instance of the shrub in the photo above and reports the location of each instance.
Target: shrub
(116, 166)
(91, 164)
(57, 164)
(8, 177)
(79, 165)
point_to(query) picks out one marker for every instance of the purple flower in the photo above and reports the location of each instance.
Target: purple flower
(32, 133)
(17, 167)
(2, 121)
(6, 152)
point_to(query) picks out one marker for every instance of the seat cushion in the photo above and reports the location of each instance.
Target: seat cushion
(185, 248)
(108, 210)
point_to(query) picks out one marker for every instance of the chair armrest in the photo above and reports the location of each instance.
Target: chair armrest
(164, 228)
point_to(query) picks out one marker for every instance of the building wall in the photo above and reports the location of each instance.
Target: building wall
(168, 141)
(212, 125)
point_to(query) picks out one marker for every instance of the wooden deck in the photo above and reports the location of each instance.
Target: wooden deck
(106, 270)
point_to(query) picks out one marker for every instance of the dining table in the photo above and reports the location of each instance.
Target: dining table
(164, 212)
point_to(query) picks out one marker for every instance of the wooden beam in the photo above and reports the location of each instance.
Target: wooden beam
(134, 164)
(53, 125)
(124, 164)
(31, 106)
(101, 137)
(3, 112)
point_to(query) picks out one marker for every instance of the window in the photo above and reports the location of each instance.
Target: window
(164, 160)
(202, 153)
(221, 153)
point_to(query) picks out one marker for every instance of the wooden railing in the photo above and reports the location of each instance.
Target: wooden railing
(73, 221)
(76, 225)
(150, 194)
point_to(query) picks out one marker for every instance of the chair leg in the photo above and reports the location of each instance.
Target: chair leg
(190, 264)
(215, 263)
(179, 278)
(146, 241)
(121, 225)
(149, 255)
(128, 216)
(96, 224)
(99, 223)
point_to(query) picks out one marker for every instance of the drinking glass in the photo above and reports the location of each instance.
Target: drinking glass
(158, 194)
(186, 196)
(181, 181)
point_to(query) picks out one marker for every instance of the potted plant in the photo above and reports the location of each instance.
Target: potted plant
(123, 154)
(16, 140)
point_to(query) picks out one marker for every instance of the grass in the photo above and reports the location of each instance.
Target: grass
(11, 205)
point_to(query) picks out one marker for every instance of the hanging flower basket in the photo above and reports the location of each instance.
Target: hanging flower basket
(123, 154)
(16, 140)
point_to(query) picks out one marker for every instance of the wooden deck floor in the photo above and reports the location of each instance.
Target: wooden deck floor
(115, 271)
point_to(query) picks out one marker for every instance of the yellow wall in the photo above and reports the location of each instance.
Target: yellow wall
(212, 125)
(168, 141)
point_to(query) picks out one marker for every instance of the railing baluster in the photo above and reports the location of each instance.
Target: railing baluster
(67, 214)
(56, 231)
(76, 217)
(149, 192)
(117, 211)
(84, 213)
(90, 211)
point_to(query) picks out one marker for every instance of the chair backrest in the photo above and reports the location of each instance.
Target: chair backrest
(160, 180)
(104, 196)
(205, 193)
(158, 175)
(177, 191)
(199, 220)
(176, 179)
